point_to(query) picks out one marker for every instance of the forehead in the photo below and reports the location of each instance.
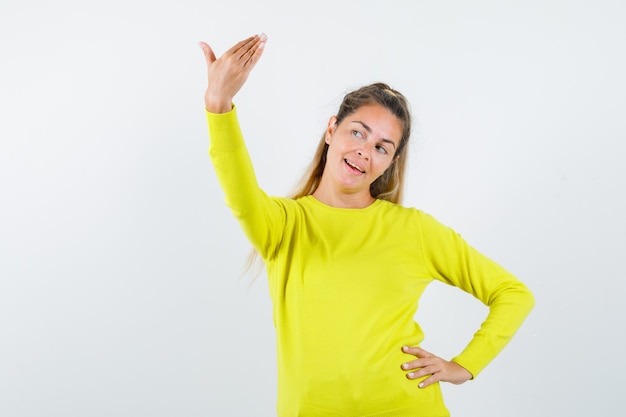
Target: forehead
(382, 122)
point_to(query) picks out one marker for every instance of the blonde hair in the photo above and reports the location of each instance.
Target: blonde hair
(390, 185)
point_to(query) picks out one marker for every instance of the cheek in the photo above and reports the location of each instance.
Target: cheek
(339, 148)
(383, 166)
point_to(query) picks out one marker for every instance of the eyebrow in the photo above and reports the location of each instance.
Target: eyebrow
(369, 130)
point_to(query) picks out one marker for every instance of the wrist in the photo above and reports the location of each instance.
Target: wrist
(217, 105)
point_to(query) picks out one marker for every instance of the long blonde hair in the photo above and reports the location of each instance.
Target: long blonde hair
(390, 185)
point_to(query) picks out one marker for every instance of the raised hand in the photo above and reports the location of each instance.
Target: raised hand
(228, 73)
(438, 368)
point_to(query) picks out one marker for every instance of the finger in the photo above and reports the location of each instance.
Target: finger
(421, 375)
(429, 381)
(417, 351)
(415, 364)
(208, 53)
(257, 51)
(251, 52)
(241, 49)
(431, 373)
(424, 365)
(236, 47)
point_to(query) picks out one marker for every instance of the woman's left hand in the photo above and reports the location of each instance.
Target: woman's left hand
(438, 368)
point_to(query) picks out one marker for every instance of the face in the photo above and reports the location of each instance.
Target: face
(361, 147)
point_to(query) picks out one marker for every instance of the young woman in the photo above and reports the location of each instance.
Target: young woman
(347, 263)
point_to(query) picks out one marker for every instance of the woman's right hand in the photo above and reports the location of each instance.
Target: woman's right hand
(228, 73)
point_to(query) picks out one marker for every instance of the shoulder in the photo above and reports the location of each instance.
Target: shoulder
(289, 206)
(398, 215)
(426, 222)
(401, 210)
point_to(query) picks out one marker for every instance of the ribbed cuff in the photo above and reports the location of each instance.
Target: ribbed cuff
(224, 131)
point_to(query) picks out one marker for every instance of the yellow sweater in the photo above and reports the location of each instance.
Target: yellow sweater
(345, 285)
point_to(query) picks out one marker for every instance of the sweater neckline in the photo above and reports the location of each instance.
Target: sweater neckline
(315, 202)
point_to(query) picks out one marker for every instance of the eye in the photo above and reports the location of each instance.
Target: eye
(357, 134)
(381, 149)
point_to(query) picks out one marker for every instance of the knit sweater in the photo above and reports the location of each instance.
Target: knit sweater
(345, 285)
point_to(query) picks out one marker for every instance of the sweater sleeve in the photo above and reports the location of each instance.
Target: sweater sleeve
(453, 261)
(261, 217)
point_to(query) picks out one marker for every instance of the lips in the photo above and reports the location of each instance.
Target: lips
(354, 166)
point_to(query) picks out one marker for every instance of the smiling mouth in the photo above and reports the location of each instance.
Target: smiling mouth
(353, 166)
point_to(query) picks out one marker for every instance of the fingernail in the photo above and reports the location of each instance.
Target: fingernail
(262, 45)
(411, 374)
(405, 366)
(405, 348)
(421, 385)
(263, 37)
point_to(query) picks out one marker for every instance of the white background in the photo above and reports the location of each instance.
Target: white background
(120, 267)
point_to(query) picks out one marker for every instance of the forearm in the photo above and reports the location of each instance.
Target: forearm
(257, 214)
(507, 312)
(454, 261)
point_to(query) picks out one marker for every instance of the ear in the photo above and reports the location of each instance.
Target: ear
(332, 125)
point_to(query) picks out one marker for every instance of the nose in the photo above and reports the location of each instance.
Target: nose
(364, 152)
